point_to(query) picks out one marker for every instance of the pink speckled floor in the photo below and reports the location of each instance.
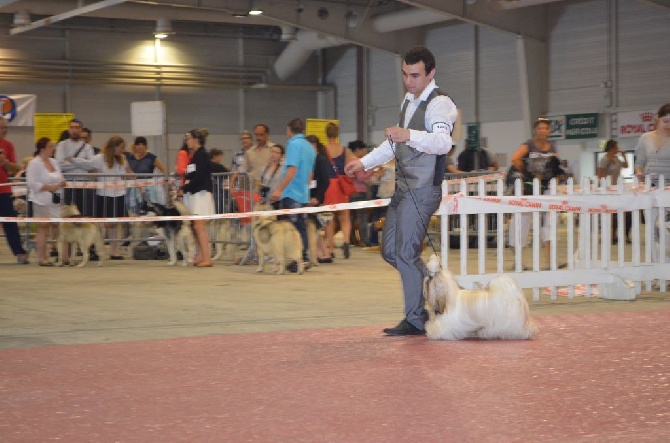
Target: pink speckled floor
(596, 377)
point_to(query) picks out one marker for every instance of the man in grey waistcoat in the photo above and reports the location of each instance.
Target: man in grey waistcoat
(419, 144)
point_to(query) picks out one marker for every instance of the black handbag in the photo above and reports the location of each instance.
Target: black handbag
(55, 198)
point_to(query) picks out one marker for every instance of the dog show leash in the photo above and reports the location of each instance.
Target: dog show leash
(416, 206)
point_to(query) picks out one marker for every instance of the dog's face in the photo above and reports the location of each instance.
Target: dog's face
(259, 221)
(435, 295)
(434, 287)
(69, 211)
(151, 208)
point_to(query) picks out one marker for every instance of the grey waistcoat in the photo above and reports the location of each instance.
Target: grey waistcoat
(414, 169)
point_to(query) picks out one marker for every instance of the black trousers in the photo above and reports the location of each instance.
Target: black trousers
(11, 228)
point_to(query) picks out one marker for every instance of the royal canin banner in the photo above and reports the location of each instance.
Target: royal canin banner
(635, 123)
(588, 204)
(19, 109)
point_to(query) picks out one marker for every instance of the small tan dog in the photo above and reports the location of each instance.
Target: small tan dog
(84, 234)
(222, 233)
(278, 239)
(498, 311)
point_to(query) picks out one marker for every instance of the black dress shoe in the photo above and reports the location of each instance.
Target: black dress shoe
(404, 328)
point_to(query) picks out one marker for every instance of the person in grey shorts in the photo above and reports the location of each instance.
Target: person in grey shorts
(419, 143)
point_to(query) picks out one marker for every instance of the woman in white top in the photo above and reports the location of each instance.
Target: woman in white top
(610, 165)
(652, 157)
(652, 153)
(110, 199)
(44, 180)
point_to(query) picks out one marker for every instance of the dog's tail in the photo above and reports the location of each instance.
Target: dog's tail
(511, 301)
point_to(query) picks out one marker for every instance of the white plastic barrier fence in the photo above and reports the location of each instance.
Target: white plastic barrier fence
(589, 260)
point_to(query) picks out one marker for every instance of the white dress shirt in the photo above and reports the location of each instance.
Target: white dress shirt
(441, 115)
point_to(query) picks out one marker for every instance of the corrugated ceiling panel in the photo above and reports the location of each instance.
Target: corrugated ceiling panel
(577, 56)
(385, 89)
(106, 108)
(453, 47)
(342, 73)
(499, 89)
(644, 64)
(276, 108)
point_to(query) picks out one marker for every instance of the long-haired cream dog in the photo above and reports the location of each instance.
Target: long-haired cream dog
(278, 239)
(498, 311)
(85, 234)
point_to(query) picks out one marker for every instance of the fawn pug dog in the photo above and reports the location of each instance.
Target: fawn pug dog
(278, 239)
(178, 234)
(499, 311)
(84, 234)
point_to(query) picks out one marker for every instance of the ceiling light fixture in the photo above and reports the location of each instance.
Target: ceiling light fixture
(322, 13)
(163, 28)
(253, 10)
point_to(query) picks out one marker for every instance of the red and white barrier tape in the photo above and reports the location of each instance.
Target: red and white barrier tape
(231, 215)
(450, 205)
(577, 203)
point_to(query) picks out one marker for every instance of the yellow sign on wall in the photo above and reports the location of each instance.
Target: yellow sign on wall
(51, 125)
(317, 126)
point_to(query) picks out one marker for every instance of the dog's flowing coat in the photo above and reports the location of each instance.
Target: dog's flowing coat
(84, 234)
(178, 234)
(499, 311)
(278, 239)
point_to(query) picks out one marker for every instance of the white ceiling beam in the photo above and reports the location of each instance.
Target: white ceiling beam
(4, 3)
(529, 21)
(66, 15)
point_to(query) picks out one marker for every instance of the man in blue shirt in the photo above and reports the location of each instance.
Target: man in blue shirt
(293, 191)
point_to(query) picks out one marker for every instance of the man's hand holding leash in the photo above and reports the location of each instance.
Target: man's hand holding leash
(397, 134)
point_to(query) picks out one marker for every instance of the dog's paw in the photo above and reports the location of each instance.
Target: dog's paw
(259, 269)
(99, 263)
(171, 263)
(432, 330)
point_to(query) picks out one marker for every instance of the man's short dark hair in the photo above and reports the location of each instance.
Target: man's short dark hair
(420, 54)
(87, 130)
(264, 126)
(214, 152)
(296, 126)
(76, 120)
